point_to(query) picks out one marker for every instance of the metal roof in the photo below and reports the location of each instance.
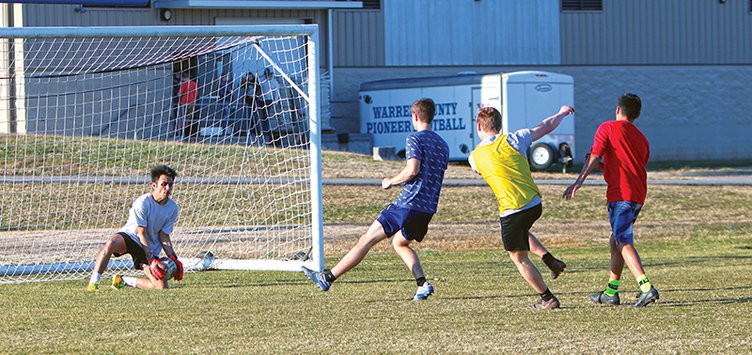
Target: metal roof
(257, 4)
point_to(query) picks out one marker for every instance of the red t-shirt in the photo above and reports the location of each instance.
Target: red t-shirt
(188, 92)
(625, 152)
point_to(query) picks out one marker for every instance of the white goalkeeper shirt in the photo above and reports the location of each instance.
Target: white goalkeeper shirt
(147, 213)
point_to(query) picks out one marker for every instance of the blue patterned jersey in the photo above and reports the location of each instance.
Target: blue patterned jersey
(422, 192)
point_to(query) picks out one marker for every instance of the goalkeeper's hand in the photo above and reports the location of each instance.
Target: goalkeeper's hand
(156, 267)
(178, 275)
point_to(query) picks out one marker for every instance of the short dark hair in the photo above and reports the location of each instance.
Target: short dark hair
(425, 108)
(160, 170)
(630, 105)
(489, 119)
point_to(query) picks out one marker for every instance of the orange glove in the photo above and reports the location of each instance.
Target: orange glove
(156, 267)
(178, 275)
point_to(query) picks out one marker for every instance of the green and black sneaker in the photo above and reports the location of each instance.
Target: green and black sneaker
(647, 298)
(603, 298)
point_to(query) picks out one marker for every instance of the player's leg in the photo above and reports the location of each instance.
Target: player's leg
(622, 223)
(632, 259)
(114, 245)
(408, 255)
(151, 281)
(515, 236)
(266, 113)
(533, 277)
(528, 270)
(139, 263)
(536, 247)
(610, 295)
(325, 279)
(414, 226)
(648, 293)
(374, 235)
(617, 260)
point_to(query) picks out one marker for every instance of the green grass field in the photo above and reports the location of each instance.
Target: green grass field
(695, 242)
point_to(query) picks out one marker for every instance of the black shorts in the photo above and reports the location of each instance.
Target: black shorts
(514, 228)
(135, 250)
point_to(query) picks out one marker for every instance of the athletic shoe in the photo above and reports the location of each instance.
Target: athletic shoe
(117, 282)
(423, 292)
(647, 298)
(318, 278)
(553, 303)
(557, 267)
(92, 287)
(602, 297)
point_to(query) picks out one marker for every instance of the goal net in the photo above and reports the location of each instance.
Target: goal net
(85, 113)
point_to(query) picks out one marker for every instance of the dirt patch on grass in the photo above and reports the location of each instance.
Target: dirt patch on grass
(339, 238)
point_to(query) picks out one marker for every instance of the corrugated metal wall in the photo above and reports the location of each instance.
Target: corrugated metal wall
(659, 32)
(68, 15)
(450, 32)
(358, 38)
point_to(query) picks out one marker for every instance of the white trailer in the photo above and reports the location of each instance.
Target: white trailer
(523, 98)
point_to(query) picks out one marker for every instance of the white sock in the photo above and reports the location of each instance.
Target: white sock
(129, 281)
(95, 276)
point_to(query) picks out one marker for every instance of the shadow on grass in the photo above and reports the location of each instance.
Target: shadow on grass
(688, 261)
(305, 281)
(706, 301)
(678, 303)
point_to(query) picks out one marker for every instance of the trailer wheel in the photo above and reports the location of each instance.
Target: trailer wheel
(541, 156)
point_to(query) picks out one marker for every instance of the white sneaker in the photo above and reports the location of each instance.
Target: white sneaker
(423, 292)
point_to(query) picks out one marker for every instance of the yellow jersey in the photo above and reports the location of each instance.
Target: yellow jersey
(507, 172)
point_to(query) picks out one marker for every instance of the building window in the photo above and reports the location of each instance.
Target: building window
(369, 4)
(376, 4)
(583, 5)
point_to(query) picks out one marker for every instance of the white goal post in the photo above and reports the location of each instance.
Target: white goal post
(85, 113)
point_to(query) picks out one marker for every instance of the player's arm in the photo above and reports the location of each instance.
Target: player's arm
(410, 171)
(141, 233)
(164, 239)
(550, 123)
(591, 162)
(155, 266)
(472, 164)
(166, 242)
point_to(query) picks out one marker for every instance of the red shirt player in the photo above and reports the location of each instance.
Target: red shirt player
(187, 93)
(624, 152)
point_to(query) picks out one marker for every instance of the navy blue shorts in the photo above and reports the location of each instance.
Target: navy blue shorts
(622, 215)
(412, 223)
(136, 251)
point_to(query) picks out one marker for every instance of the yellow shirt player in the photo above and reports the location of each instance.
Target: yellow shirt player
(501, 159)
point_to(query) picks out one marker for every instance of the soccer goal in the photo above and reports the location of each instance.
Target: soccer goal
(86, 112)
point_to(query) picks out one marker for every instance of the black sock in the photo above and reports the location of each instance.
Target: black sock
(420, 281)
(547, 295)
(329, 276)
(548, 259)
